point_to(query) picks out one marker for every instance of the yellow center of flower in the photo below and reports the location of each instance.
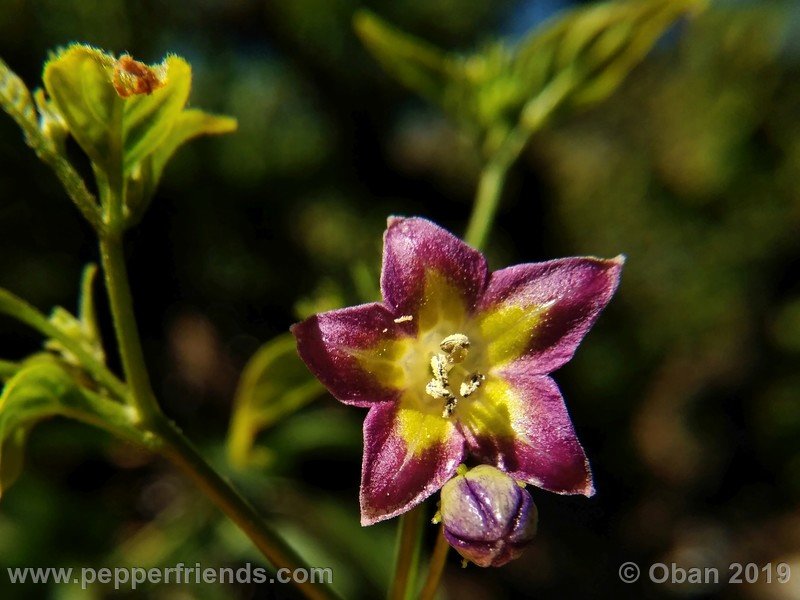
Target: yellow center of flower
(454, 350)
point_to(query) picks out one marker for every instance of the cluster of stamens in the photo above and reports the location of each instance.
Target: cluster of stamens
(454, 349)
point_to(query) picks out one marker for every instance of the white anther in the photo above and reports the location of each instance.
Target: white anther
(440, 365)
(471, 385)
(455, 347)
(438, 390)
(449, 406)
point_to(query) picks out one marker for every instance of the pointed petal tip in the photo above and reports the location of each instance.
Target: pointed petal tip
(368, 519)
(371, 516)
(392, 220)
(588, 489)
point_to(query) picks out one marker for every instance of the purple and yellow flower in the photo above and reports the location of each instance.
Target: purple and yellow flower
(487, 516)
(456, 360)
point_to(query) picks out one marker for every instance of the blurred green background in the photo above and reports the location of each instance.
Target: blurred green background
(686, 395)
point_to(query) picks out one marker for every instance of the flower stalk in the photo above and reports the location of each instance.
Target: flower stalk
(409, 538)
(436, 566)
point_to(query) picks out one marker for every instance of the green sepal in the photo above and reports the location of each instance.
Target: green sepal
(189, 124)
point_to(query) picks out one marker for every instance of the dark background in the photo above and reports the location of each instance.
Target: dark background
(686, 395)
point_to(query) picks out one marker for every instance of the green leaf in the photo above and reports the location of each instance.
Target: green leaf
(420, 66)
(30, 396)
(42, 388)
(15, 99)
(189, 124)
(82, 330)
(20, 310)
(119, 111)
(78, 79)
(149, 118)
(274, 384)
(597, 44)
(503, 95)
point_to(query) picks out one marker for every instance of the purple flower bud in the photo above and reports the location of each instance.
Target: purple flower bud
(487, 516)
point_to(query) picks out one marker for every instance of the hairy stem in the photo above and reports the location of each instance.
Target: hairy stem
(130, 348)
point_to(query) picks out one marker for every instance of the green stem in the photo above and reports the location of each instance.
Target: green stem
(436, 567)
(490, 189)
(181, 452)
(130, 348)
(118, 419)
(535, 115)
(409, 536)
(174, 445)
(15, 99)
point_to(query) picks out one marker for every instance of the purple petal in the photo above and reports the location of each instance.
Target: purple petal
(414, 247)
(569, 293)
(407, 457)
(522, 426)
(351, 352)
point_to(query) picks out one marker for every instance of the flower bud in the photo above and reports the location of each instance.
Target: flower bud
(487, 516)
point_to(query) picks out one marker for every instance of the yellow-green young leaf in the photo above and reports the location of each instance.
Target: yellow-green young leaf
(12, 456)
(39, 390)
(596, 46)
(51, 123)
(42, 388)
(143, 179)
(118, 110)
(189, 124)
(15, 99)
(82, 330)
(78, 79)
(274, 384)
(86, 311)
(415, 63)
(150, 117)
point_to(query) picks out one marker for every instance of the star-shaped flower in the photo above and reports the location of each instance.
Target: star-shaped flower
(455, 360)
